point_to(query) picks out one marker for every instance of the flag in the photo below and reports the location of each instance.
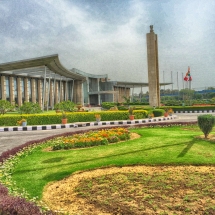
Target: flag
(188, 77)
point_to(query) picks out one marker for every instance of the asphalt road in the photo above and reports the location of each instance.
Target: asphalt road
(11, 139)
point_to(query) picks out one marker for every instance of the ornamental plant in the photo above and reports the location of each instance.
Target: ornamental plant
(98, 116)
(170, 111)
(206, 123)
(21, 121)
(131, 110)
(64, 115)
(150, 115)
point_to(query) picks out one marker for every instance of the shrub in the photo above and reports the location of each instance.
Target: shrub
(130, 110)
(140, 114)
(108, 105)
(16, 205)
(5, 106)
(206, 123)
(158, 112)
(122, 107)
(65, 106)
(29, 107)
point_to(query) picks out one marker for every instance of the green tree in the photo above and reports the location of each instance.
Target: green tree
(206, 123)
(29, 107)
(65, 106)
(5, 106)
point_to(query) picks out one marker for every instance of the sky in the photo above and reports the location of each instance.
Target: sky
(109, 36)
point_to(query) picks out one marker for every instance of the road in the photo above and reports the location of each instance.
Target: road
(11, 139)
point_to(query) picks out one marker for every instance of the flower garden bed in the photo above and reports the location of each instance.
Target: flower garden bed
(91, 138)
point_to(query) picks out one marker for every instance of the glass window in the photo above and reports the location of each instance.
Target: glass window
(58, 91)
(69, 89)
(29, 90)
(63, 88)
(42, 86)
(22, 86)
(15, 90)
(36, 90)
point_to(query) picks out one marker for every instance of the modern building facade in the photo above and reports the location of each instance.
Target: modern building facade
(43, 80)
(153, 68)
(98, 89)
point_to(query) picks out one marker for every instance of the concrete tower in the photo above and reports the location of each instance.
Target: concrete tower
(153, 71)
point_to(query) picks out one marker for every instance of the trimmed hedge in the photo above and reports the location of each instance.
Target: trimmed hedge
(158, 112)
(189, 108)
(38, 119)
(108, 105)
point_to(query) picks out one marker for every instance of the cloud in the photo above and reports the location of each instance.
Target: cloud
(110, 36)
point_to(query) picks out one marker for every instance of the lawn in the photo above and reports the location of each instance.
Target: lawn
(157, 146)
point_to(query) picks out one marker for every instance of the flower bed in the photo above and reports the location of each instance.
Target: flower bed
(92, 138)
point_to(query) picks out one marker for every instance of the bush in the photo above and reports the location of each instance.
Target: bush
(5, 106)
(65, 106)
(122, 107)
(158, 112)
(108, 105)
(16, 205)
(206, 123)
(29, 107)
(140, 114)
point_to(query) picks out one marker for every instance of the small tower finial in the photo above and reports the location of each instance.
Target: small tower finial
(151, 28)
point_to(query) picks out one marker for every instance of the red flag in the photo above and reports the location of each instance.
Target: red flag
(188, 77)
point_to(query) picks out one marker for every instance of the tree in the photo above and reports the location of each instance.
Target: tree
(29, 107)
(65, 106)
(206, 123)
(5, 106)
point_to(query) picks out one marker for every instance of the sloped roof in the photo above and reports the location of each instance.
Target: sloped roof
(134, 84)
(35, 67)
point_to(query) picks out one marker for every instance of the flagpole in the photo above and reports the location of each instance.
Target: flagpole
(183, 86)
(172, 82)
(164, 87)
(183, 80)
(177, 85)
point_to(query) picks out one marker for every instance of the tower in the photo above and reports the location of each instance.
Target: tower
(153, 71)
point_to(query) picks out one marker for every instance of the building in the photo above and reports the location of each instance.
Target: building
(44, 80)
(98, 89)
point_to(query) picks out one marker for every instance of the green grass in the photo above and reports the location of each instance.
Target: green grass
(157, 146)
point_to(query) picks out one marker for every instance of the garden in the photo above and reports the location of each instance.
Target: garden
(140, 170)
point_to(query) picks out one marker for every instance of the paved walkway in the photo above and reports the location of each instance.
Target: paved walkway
(11, 139)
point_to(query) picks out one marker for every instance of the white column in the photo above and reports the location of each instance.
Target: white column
(47, 108)
(44, 89)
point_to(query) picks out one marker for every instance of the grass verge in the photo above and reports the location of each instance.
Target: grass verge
(156, 146)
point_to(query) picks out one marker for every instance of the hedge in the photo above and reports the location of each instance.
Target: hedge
(189, 108)
(39, 119)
